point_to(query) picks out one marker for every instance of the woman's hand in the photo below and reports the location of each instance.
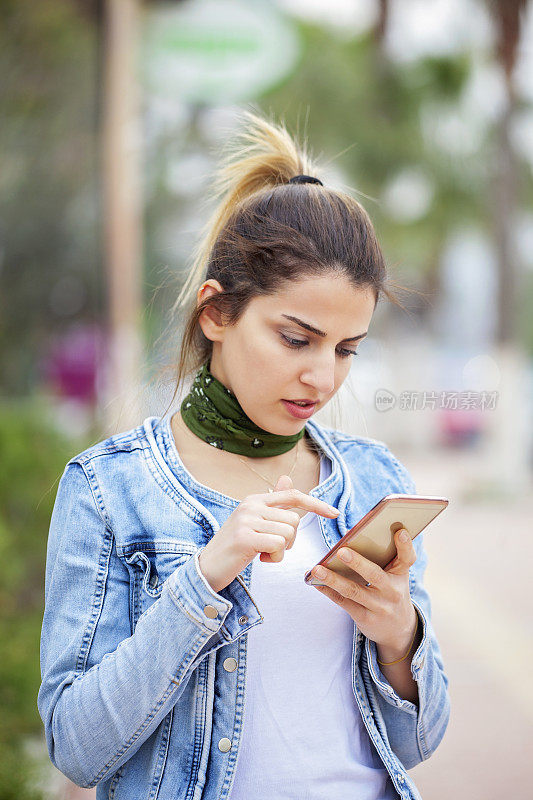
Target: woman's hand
(383, 611)
(261, 523)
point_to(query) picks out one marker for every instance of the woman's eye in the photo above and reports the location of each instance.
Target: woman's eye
(345, 353)
(293, 342)
(298, 343)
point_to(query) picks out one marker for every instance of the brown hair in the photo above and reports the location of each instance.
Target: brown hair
(267, 231)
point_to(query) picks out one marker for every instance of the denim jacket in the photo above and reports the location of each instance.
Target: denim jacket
(143, 663)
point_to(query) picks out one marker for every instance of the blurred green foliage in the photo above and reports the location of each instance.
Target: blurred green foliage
(49, 179)
(369, 111)
(34, 455)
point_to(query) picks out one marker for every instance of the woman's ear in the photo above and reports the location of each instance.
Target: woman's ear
(210, 319)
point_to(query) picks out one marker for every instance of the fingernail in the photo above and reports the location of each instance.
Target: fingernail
(334, 510)
(320, 572)
(345, 554)
(403, 536)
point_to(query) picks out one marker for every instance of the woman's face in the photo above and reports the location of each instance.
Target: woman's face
(266, 358)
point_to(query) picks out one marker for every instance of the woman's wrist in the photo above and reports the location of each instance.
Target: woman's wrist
(400, 650)
(204, 569)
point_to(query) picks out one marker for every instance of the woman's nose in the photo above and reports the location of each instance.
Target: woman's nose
(321, 376)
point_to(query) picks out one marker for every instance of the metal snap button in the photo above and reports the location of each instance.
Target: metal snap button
(243, 620)
(230, 664)
(210, 611)
(224, 745)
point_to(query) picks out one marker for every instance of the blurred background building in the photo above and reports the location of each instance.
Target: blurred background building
(113, 115)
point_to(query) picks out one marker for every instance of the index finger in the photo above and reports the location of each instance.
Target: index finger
(371, 572)
(294, 498)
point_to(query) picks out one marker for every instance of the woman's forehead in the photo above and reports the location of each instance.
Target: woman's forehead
(324, 304)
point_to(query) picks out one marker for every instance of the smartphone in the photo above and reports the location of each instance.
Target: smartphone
(373, 536)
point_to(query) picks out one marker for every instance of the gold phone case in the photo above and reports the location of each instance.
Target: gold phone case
(373, 536)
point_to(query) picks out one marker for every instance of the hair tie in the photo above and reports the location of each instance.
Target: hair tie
(305, 179)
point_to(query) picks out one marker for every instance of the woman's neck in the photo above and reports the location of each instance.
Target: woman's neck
(224, 471)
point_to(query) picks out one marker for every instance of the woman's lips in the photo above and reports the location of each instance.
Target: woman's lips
(300, 412)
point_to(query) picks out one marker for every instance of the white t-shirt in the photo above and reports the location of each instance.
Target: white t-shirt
(303, 736)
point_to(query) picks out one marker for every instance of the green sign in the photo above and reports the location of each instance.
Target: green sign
(217, 51)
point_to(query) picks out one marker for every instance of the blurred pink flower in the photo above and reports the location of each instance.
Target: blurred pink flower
(73, 362)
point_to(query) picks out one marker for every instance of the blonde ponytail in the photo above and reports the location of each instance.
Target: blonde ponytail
(261, 155)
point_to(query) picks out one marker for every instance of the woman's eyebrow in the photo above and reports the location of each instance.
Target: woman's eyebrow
(311, 328)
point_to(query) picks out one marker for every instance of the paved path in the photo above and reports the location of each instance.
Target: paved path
(478, 575)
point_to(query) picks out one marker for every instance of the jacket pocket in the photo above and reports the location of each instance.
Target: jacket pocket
(149, 565)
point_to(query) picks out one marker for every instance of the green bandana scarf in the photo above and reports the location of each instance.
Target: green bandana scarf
(213, 413)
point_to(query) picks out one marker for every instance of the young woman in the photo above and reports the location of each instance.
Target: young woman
(182, 654)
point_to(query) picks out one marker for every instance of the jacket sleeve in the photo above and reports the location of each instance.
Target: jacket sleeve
(414, 731)
(103, 689)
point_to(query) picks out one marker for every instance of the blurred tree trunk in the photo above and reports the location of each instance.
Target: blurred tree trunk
(510, 440)
(507, 18)
(380, 28)
(123, 215)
